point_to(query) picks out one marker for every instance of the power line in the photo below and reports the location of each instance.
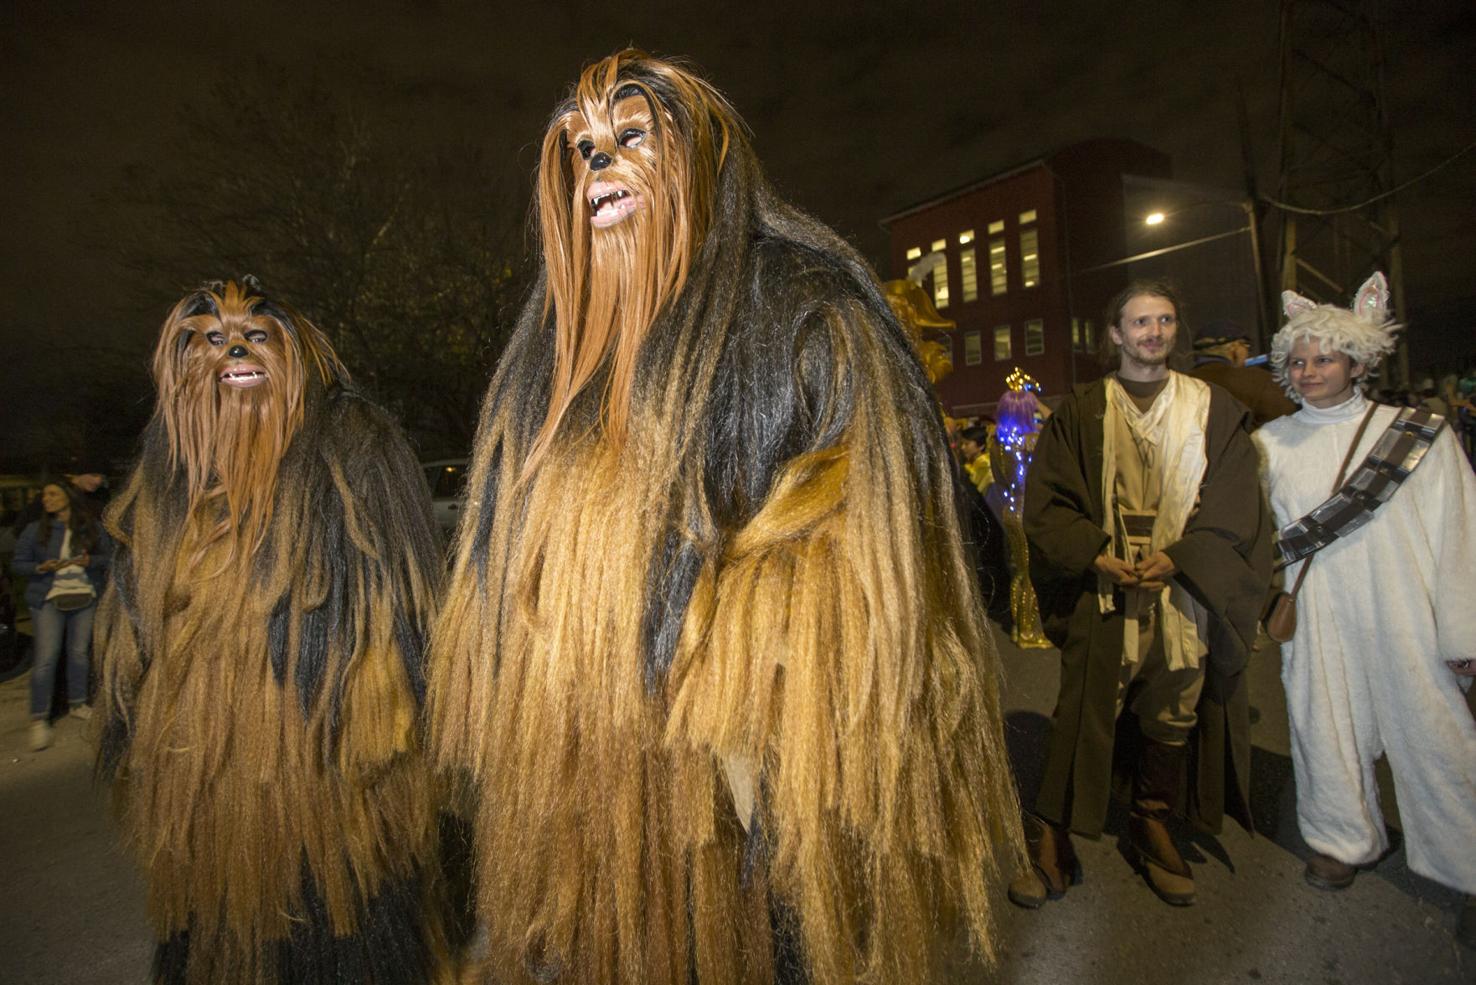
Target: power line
(1286, 207)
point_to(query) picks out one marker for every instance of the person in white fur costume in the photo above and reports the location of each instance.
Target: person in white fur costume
(1386, 630)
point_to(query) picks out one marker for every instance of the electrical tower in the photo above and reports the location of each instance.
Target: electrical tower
(1336, 151)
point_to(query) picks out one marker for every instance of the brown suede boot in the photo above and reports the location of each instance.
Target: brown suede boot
(1053, 865)
(1155, 792)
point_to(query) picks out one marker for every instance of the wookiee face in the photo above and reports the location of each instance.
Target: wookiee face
(614, 155)
(233, 370)
(626, 186)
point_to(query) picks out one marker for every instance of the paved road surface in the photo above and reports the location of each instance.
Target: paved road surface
(72, 906)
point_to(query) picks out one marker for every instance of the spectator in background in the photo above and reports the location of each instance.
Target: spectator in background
(1431, 400)
(1219, 357)
(65, 555)
(90, 477)
(971, 444)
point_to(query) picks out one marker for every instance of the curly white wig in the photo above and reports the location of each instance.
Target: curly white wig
(1365, 333)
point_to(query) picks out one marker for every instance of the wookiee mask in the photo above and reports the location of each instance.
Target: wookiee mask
(626, 188)
(235, 372)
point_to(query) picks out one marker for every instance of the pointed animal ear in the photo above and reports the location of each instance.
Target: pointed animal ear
(1372, 301)
(1294, 304)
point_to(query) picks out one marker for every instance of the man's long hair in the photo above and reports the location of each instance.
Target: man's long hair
(228, 444)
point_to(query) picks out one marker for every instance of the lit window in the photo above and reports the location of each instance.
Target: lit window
(1029, 257)
(1076, 343)
(940, 285)
(1027, 217)
(940, 244)
(1001, 342)
(973, 349)
(997, 226)
(1089, 335)
(998, 274)
(966, 237)
(914, 252)
(969, 274)
(1034, 337)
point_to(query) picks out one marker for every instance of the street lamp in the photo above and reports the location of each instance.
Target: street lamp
(1157, 218)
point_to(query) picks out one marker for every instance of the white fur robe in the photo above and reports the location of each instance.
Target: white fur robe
(1380, 612)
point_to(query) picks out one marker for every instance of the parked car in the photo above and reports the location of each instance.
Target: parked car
(447, 481)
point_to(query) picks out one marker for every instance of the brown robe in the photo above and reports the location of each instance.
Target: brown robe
(1223, 559)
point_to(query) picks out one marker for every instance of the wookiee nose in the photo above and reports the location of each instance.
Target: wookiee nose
(599, 162)
(237, 351)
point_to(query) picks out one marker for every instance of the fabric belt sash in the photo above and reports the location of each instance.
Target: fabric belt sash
(1396, 454)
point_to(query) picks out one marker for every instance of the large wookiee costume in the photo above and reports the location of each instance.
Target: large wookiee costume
(263, 661)
(713, 656)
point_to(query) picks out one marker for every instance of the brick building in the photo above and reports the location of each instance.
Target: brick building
(1019, 248)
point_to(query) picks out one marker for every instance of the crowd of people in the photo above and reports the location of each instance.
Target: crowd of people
(708, 681)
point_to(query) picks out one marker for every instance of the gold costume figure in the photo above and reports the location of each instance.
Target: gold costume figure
(1011, 445)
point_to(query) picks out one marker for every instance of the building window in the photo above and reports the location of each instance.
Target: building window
(998, 274)
(1083, 335)
(1029, 257)
(1034, 337)
(1027, 217)
(914, 252)
(973, 349)
(940, 285)
(939, 245)
(968, 274)
(997, 226)
(966, 237)
(1001, 342)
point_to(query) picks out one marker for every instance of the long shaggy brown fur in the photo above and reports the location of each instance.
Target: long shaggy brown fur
(717, 674)
(262, 663)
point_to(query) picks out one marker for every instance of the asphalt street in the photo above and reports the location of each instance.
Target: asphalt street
(72, 910)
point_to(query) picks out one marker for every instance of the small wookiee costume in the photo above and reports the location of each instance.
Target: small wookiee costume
(1137, 473)
(263, 662)
(712, 657)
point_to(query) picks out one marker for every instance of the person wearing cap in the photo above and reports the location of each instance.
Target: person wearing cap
(1219, 358)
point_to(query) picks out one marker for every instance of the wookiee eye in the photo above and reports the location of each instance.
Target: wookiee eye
(256, 335)
(215, 338)
(586, 148)
(631, 137)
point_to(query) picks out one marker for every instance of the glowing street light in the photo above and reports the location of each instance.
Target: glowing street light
(1153, 219)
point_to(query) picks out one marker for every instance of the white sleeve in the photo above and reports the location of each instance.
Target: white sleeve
(1447, 511)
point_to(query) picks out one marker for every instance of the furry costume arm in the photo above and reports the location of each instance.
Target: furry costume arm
(835, 639)
(356, 617)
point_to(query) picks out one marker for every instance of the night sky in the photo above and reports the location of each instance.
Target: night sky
(856, 112)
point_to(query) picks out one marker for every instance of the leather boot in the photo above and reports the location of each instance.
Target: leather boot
(1155, 792)
(1053, 865)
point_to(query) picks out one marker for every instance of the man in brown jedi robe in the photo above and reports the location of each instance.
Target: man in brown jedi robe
(1150, 550)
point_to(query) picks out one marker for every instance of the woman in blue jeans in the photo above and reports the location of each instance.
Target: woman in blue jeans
(65, 554)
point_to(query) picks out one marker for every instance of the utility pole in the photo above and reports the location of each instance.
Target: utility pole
(1336, 151)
